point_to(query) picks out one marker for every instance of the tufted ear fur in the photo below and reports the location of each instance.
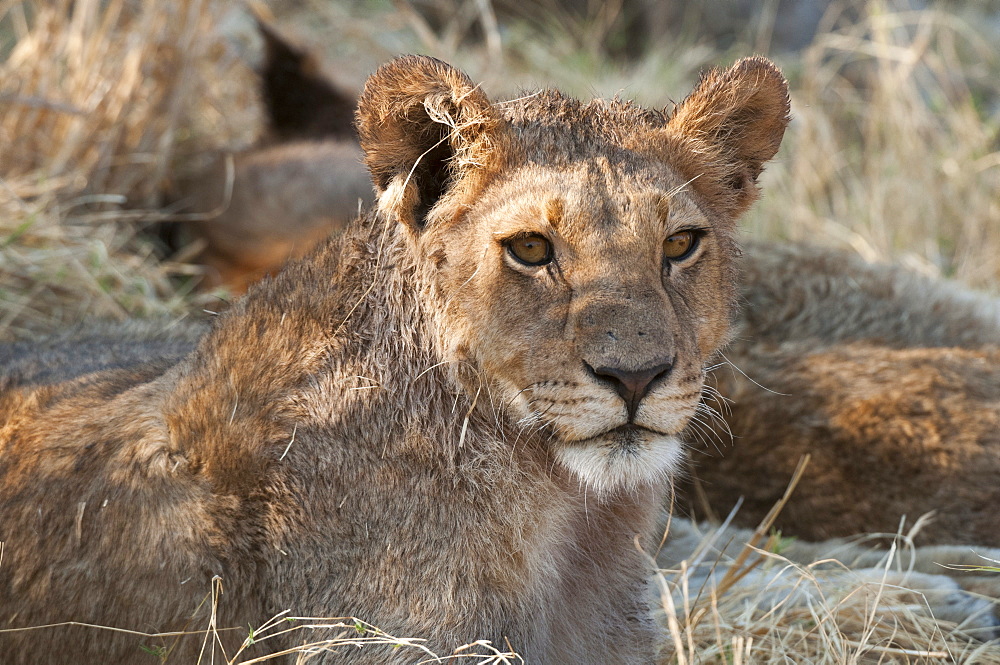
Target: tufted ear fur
(422, 124)
(736, 118)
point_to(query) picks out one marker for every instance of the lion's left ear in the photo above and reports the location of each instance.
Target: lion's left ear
(734, 120)
(423, 125)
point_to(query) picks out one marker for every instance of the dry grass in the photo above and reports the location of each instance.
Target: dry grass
(849, 620)
(766, 608)
(95, 99)
(759, 607)
(893, 152)
(894, 149)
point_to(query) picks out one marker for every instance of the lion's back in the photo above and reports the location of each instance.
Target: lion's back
(888, 380)
(89, 474)
(797, 291)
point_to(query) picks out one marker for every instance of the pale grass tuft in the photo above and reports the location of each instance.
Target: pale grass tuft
(760, 607)
(351, 633)
(847, 619)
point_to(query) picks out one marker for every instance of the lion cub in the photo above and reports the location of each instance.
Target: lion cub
(453, 422)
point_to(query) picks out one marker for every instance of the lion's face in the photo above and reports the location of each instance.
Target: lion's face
(591, 299)
(581, 257)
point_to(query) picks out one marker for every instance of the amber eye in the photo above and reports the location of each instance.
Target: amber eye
(531, 250)
(680, 245)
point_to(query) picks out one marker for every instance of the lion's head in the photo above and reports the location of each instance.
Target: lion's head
(579, 256)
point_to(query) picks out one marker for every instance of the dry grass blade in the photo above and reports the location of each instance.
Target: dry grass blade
(353, 633)
(740, 568)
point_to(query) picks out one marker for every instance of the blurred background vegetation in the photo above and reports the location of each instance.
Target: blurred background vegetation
(894, 149)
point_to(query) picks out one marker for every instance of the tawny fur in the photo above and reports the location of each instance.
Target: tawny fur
(268, 205)
(391, 428)
(888, 380)
(794, 292)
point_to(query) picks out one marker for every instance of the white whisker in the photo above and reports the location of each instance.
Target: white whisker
(747, 376)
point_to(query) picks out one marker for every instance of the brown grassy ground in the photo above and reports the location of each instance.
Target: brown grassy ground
(893, 152)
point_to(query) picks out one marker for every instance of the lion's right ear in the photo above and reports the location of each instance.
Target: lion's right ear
(422, 125)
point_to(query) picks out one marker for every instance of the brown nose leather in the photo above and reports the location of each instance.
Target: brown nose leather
(632, 386)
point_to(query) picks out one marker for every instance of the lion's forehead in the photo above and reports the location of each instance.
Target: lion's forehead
(550, 123)
(594, 198)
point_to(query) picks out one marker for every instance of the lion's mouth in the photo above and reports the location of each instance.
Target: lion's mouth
(623, 439)
(623, 457)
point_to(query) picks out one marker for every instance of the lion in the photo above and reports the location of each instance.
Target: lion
(888, 380)
(261, 207)
(457, 421)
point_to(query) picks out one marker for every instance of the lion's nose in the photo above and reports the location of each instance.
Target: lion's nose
(632, 385)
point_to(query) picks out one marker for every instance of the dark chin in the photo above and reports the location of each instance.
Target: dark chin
(625, 439)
